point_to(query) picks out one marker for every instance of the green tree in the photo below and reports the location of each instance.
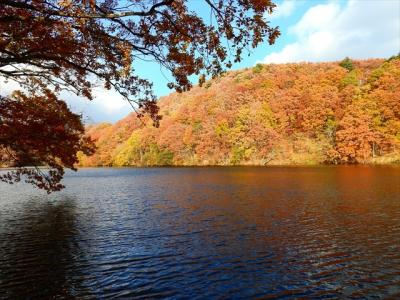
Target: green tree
(347, 63)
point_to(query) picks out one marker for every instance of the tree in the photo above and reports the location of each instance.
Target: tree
(285, 114)
(347, 64)
(49, 46)
(39, 130)
(355, 139)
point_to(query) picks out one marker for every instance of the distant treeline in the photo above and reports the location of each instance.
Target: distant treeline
(303, 113)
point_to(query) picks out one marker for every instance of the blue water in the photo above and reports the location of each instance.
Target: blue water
(204, 233)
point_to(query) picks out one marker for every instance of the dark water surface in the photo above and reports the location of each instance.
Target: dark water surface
(188, 233)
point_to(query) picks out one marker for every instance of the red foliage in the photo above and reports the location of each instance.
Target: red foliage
(293, 113)
(40, 131)
(73, 45)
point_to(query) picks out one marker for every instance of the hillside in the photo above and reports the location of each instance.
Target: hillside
(306, 113)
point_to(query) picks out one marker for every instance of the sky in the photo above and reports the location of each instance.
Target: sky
(311, 30)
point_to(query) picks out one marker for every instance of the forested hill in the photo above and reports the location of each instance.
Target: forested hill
(306, 113)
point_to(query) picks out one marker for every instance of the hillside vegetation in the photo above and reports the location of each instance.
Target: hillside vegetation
(306, 113)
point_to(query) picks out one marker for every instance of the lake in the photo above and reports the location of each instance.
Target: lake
(204, 233)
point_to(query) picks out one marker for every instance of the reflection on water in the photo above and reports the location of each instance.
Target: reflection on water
(37, 249)
(327, 232)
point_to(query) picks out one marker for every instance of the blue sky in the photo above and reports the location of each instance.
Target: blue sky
(311, 30)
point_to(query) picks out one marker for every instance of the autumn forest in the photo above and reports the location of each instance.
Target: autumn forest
(199, 149)
(344, 112)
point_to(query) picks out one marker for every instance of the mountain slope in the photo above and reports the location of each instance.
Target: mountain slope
(306, 113)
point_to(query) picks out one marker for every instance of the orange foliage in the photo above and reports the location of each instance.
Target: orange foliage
(72, 45)
(276, 114)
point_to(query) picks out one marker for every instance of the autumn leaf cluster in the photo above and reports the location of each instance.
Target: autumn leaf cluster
(307, 113)
(56, 49)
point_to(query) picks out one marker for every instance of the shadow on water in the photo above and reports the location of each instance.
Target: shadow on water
(38, 251)
(203, 233)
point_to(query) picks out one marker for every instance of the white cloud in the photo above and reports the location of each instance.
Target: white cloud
(107, 105)
(110, 100)
(283, 10)
(7, 87)
(360, 29)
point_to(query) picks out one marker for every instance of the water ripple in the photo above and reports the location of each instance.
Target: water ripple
(205, 233)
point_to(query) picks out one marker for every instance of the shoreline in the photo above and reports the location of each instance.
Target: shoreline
(223, 166)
